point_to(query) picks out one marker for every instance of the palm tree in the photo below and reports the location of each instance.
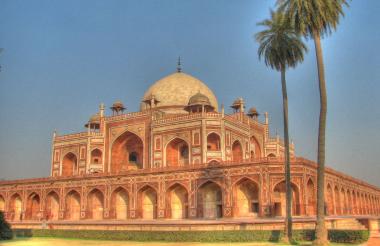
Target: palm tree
(316, 19)
(281, 47)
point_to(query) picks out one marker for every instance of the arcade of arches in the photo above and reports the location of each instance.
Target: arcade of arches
(190, 194)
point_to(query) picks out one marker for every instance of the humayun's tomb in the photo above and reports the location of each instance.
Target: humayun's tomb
(179, 159)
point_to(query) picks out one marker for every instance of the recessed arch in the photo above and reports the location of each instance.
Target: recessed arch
(210, 200)
(177, 153)
(246, 198)
(330, 200)
(2, 203)
(72, 205)
(120, 203)
(95, 204)
(348, 202)
(279, 199)
(343, 203)
(237, 151)
(127, 153)
(177, 201)
(213, 142)
(33, 207)
(338, 208)
(271, 155)
(311, 198)
(255, 148)
(15, 207)
(52, 206)
(147, 202)
(69, 164)
(96, 156)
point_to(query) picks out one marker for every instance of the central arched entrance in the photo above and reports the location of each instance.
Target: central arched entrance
(210, 203)
(95, 204)
(177, 153)
(127, 153)
(72, 206)
(69, 165)
(177, 202)
(119, 204)
(279, 199)
(237, 152)
(148, 202)
(52, 206)
(246, 198)
(33, 207)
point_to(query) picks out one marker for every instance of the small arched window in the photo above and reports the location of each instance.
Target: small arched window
(133, 157)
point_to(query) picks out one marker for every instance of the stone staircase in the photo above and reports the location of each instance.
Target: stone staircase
(374, 236)
(347, 224)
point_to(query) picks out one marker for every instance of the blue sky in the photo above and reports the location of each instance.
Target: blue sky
(62, 58)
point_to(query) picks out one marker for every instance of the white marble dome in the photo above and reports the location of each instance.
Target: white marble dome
(174, 91)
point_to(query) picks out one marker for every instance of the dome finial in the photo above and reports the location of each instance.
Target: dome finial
(179, 67)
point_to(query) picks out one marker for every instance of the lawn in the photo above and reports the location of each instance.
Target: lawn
(77, 242)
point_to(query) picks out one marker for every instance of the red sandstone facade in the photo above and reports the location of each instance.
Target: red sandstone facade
(177, 158)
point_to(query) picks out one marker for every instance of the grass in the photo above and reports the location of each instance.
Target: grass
(35, 241)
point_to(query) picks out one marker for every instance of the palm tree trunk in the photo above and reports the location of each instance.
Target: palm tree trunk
(288, 219)
(321, 231)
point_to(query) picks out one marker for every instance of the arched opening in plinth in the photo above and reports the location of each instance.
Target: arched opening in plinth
(355, 209)
(343, 203)
(148, 203)
(119, 204)
(72, 206)
(246, 198)
(15, 207)
(177, 202)
(349, 202)
(127, 153)
(2, 203)
(210, 201)
(338, 208)
(69, 165)
(279, 199)
(177, 153)
(330, 200)
(271, 155)
(33, 207)
(95, 205)
(255, 147)
(213, 142)
(237, 152)
(311, 198)
(52, 206)
(96, 156)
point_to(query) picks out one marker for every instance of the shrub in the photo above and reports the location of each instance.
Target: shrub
(338, 236)
(5, 228)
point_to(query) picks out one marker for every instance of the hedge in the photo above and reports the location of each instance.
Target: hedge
(339, 236)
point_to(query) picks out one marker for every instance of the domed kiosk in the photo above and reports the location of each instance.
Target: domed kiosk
(172, 93)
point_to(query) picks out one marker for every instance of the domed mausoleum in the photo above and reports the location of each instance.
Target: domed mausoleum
(180, 157)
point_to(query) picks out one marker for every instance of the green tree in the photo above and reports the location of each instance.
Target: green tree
(5, 228)
(315, 19)
(281, 47)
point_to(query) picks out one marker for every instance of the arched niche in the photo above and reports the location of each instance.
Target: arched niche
(330, 200)
(246, 198)
(69, 165)
(255, 148)
(177, 153)
(95, 205)
(213, 142)
(279, 199)
(72, 205)
(96, 156)
(119, 203)
(311, 198)
(33, 207)
(2, 203)
(127, 153)
(210, 201)
(147, 201)
(177, 202)
(15, 207)
(52, 206)
(237, 152)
